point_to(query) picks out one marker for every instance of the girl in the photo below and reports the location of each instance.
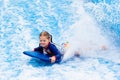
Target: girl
(48, 48)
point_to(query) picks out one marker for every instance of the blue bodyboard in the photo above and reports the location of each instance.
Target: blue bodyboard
(37, 55)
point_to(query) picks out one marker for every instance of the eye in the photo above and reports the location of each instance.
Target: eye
(43, 40)
(40, 40)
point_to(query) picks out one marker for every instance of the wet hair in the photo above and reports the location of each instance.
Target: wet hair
(48, 35)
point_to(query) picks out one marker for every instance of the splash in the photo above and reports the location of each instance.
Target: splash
(85, 35)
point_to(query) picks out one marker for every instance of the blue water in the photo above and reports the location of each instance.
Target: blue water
(86, 24)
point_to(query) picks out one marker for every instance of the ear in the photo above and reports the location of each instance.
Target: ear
(49, 40)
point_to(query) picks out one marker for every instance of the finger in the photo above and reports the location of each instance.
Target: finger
(52, 61)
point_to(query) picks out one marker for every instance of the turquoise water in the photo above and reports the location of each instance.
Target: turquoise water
(86, 24)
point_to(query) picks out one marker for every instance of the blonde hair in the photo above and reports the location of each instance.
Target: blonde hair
(46, 34)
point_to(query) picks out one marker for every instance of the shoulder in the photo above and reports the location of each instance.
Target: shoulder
(52, 45)
(53, 48)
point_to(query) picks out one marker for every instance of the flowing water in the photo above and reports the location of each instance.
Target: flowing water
(92, 27)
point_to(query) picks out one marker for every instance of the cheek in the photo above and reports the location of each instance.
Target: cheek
(46, 43)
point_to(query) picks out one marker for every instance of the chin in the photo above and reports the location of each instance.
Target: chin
(43, 45)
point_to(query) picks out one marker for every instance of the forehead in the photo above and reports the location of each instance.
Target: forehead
(43, 37)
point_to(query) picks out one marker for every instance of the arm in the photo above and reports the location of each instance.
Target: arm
(54, 50)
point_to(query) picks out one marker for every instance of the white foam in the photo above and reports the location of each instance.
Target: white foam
(85, 35)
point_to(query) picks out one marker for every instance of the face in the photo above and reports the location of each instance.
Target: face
(44, 41)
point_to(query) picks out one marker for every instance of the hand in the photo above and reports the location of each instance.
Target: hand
(53, 59)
